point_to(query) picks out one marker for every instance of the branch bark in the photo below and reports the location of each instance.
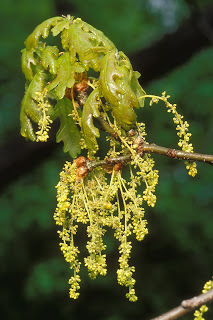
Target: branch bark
(177, 154)
(187, 306)
(152, 148)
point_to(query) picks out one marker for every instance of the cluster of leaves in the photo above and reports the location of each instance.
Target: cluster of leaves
(60, 74)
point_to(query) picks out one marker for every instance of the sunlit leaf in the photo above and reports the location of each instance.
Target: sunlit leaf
(108, 77)
(115, 85)
(61, 25)
(87, 42)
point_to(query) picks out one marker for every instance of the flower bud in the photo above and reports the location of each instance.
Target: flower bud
(80, 161)
(82, 172)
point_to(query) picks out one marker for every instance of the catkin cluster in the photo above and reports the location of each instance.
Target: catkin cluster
(181, 128)
(101, 201)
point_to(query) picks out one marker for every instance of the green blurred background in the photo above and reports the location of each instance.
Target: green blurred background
(176, 258)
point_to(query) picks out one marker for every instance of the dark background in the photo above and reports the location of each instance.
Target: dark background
(170, 43)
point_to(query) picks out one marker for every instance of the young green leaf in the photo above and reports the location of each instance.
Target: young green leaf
(65, 75)
(26, 127)
(61, 25)
(123, 64)
(41, 30)
(136, 87)
(27, 60)
(109, 75)
(48, 56)
(115, 85)
(68, 131)
(87, 42)
(29, 108)
(90, 110)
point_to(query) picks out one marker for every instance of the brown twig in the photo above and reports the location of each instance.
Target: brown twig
(177, 154)
(187, 306)
(91, 164)
(152, 148)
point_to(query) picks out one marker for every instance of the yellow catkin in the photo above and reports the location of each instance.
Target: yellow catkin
(181, 128)
(100, 204)
(44, 122)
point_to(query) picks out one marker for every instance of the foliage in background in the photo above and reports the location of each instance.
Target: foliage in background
(135, 22)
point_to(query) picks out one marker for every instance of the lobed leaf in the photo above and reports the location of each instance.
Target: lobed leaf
(124, 115)
(136, 87)
(65, 75)
(87, 43)
(124, 65)
(90, 110)
(27, 60)
(41, 30)
(109, 75)
(116, 86)
(61, 25)
(68, 131)
(29, 110)
(48, 56)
